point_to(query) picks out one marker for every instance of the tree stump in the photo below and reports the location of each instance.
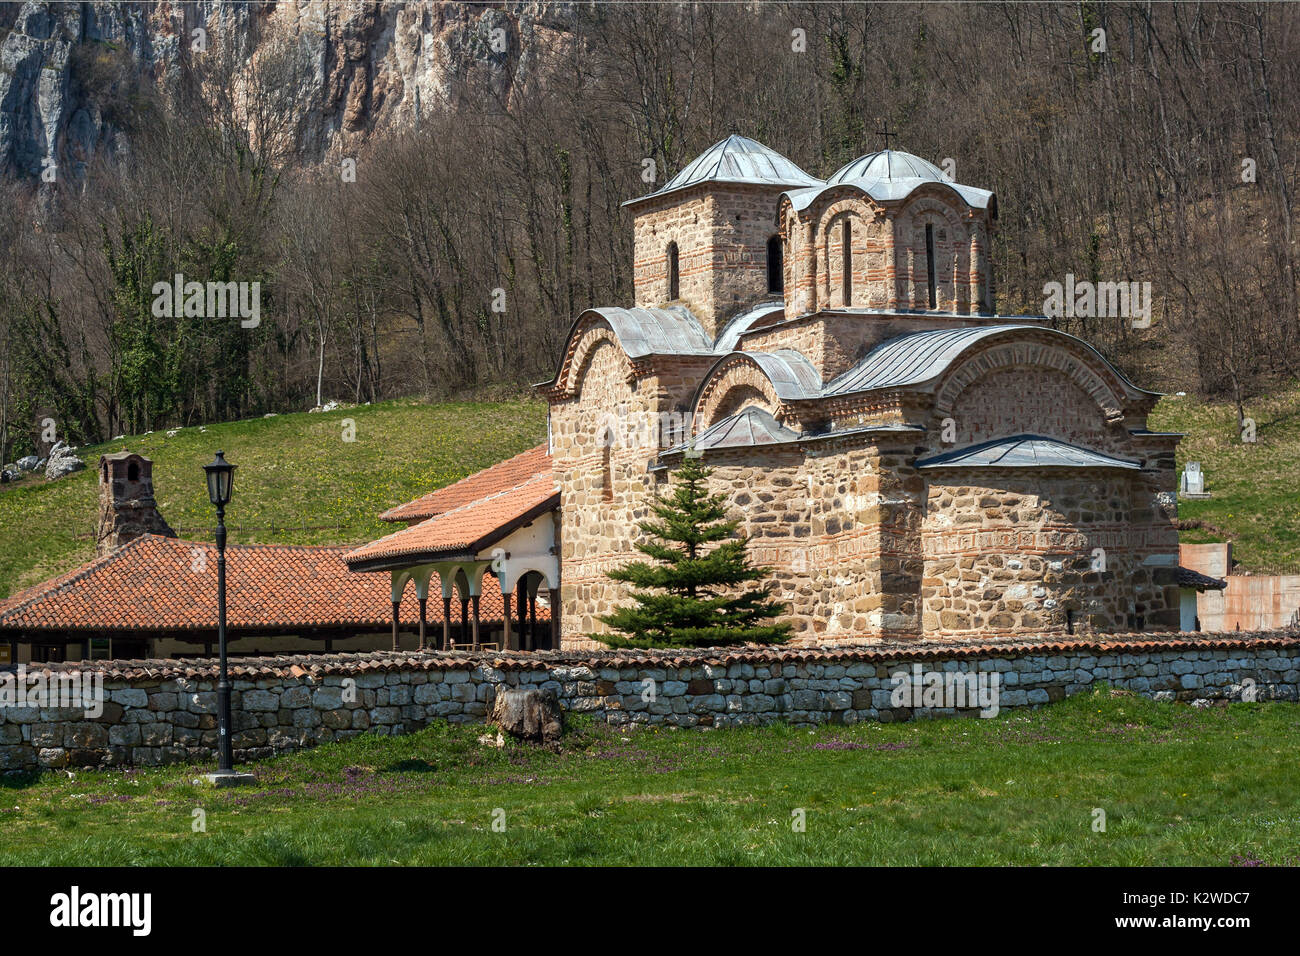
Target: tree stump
(528, 714)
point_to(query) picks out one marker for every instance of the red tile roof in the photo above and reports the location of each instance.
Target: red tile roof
(167, 584)
(467, 529)
(490, 481)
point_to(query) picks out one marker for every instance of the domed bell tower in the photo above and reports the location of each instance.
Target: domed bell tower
(708, 239)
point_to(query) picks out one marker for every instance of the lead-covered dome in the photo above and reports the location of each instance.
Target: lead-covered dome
(736, 159)
(888, 164)
(891, 175)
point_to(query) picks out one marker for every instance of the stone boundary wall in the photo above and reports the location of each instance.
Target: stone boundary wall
(161, 712)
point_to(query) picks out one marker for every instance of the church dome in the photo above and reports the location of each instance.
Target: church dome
(891, 175)
(888, 164)
(736, 159)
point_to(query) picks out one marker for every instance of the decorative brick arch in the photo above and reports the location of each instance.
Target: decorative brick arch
(734, 382)
(1029, 353)
(831, 203)
(926, 205)
(787, 219)
(850, 203)
(585, 345)
(924, 201)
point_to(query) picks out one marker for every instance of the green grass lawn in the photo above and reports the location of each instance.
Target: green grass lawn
(294, 470)
(1255, 488)
(1179, 786)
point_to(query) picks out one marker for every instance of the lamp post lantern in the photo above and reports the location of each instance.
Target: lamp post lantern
(221, 478)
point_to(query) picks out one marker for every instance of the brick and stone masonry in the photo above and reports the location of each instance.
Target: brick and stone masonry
(161, 712)
(127, 508)
(864, 546)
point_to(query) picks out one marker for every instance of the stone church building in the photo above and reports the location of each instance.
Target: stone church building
(910, 463)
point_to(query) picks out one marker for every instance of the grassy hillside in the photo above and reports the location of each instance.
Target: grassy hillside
(294, 471)
(297, 470)
(1255, 487)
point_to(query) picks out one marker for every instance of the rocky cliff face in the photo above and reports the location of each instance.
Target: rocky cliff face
(370, 66)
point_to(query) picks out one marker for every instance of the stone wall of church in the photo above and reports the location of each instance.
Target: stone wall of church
(603, 441)
(862, 280)
(686, 222)
(864, 547)
(1016, 551)
(599, 481)
(721, 238)
(1025, 399)
(816, 266)
(1013, 552)
(839, 524)
(952, 246)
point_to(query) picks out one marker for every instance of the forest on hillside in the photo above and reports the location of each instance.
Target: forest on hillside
(456, 253)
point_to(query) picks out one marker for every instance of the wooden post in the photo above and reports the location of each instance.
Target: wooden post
(532, 620)
(424, 608)
(446, 620)
(505, 637)
(474, 600)
(555, 619)
(463, 636)
(396, 605)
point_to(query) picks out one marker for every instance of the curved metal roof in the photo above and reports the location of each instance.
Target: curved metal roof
(670, 331)
(736, 159)
(920, 356)
(887, 164)
(912, 358)
(888, 176)
(742, 323)
(748, 427)
(792, 375)
(1026, 451)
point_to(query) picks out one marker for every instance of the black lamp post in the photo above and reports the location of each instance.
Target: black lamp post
(221, 478)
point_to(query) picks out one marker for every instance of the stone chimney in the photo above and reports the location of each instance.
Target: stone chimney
(126, 504)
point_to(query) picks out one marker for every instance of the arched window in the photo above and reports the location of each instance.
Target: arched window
(674, 279)
(929, 263)
(775, 267)
(133, 471)
(606, 475)
(846, 248)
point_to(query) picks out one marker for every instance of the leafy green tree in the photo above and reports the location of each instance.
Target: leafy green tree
(144, 349)
(693, 595)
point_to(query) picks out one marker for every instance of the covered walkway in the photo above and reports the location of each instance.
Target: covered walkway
(505, 533)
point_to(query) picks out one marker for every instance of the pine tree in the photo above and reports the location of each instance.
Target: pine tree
(693, 595)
